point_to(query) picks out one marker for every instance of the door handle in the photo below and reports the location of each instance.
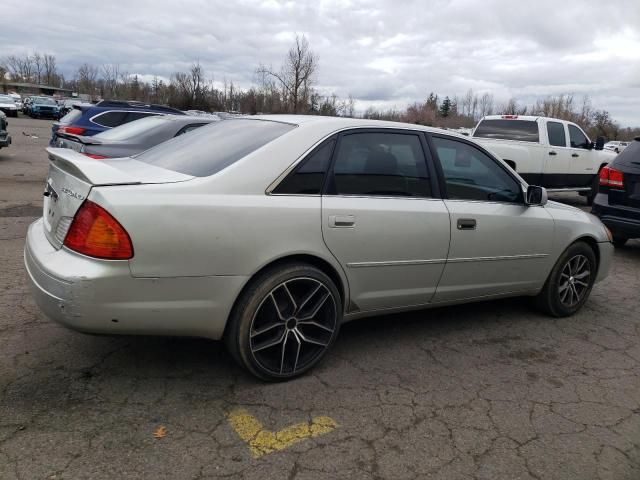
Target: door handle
(575, 155)
(552, 153)
(342, 221)
(466, 224)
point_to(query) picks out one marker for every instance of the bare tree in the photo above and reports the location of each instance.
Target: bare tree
(86, 77)
(38, 65)
(296, 75)
(51, 76)
(110, 78)
(485, 105)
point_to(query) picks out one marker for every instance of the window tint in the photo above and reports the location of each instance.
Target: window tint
(132, 129)
(188, 128)
(470, 174)
(629, 157)
(308, 178)
(385, 164)
(131, 116)
(521, 130)
(557, 138)
(210, 149)
(73, 115)
(110, 119)
(577, 138)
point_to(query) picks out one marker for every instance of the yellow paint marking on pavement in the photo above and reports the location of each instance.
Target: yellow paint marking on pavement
(262, 442)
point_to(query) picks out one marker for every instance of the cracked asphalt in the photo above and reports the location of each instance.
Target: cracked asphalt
(485, 391)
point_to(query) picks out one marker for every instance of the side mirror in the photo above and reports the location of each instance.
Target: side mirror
(536, 196)
(599, 143)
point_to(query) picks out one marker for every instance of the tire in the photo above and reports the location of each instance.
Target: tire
(619, 241)
(563, 294)
(284, 322)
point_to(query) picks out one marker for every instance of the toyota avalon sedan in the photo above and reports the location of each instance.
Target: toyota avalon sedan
(271, 231)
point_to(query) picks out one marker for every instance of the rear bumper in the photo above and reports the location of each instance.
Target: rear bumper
(98, 296)
(620, 219)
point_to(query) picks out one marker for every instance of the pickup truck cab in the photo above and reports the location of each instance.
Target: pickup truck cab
(549, 152)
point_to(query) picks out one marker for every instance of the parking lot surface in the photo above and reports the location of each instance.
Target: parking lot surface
(492, 390)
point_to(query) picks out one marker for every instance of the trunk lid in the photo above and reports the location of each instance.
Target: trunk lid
(72, 176)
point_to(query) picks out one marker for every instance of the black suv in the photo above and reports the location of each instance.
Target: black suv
(617, 203)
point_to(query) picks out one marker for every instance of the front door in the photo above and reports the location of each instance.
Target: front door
(583, 164)
(380, 221)
(498, 244)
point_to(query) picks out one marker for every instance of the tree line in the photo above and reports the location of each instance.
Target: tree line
(291, 88)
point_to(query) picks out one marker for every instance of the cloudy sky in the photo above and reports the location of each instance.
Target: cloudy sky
(383, 52)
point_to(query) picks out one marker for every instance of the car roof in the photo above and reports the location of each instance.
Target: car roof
(339, 123)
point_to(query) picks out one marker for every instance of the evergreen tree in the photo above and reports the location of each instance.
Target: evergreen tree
(445, 108)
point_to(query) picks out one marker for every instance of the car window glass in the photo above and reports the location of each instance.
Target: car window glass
(132, 129)
(212, 148)
(308, 177)
(577, 138)
(384, 164)
(73, 115)
(470, 174)
(188, 128)
(557, 138)
(131, 116)
(508, 129)
(110, 119)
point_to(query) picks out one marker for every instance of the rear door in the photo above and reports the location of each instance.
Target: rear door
(498, 244)
(584, 159)
(382, 221)
(558, 158)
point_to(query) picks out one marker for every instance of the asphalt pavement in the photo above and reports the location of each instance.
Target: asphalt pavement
(493, 390)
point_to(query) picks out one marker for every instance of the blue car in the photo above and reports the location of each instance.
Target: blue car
(88, 120)
(44, 107)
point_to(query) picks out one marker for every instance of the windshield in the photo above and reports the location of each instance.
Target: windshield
(133, 129)
(6, 99)
(44, 101)
(210, 149)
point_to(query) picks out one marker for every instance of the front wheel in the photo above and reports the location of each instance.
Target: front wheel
(570, 282)
(284, 322)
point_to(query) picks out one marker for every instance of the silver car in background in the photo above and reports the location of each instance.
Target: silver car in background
(271, 231)
(133, 137)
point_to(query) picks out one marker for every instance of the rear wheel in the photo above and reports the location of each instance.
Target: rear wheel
(284, 323)
(570, 282)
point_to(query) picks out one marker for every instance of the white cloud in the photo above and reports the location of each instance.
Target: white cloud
(383, 52)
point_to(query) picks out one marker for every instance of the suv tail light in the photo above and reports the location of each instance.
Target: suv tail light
(610, 177)
(95, 233)
(93, 155)
(72, 130)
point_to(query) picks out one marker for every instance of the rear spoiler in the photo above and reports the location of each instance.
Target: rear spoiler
(78, 138)
(116, 171)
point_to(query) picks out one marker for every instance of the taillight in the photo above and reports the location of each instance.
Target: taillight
(610, 177)
(93, 155)
(72, 130)
(95, 233)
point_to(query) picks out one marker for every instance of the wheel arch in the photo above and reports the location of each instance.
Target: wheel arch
(593, 243)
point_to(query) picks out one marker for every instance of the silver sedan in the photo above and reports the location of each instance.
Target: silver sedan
(269, 232)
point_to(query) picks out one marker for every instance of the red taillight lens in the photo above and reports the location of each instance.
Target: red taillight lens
(93, 155)
(94, 232)
(72, 130)
(610, 177)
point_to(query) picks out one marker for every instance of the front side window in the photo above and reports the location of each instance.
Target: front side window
(508, 129)
(470, 174)
(308, 178)
(577, 138)
(381, 164)
(557, 138)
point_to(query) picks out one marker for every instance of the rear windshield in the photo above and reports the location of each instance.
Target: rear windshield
(520, 130)
(212, 148)
(629, 157)
(132, 129)
(73, 115)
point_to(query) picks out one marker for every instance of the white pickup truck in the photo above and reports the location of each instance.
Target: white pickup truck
(555, 154)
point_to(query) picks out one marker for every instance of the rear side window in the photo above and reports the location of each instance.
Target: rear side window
(109, 119)
(629, 157)
(71, 117)
(210, 149)
(520, 130)
(557, 138)
(381, 164)
(132, 129)
(577, 138)
(308, 178)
